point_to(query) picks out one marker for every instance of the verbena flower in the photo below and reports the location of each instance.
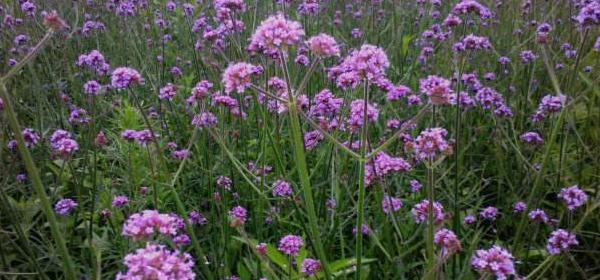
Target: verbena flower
(124, 77)
(282, 188)
(448, 241)
(420, 212)
(157, 262)
(489, 213)
(275, 33)
(310, 267)
(438, 89)
(538, 215)
(64, 206)
(323, 45)
(369, 62)
(430, 143)
(290, 244)
(390, 204)
(145, 224)
(237, 77)
(120, 200)
(573, 196)
(495, 261)
(559, 241)
(238, 216)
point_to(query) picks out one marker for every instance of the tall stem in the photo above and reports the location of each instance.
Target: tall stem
(300, 161)
(68, 267)
(361, 181)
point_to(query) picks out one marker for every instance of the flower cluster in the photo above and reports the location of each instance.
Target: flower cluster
(274, 34)
(124, 77)
(310, 267)
(420, 212)
(62, 143)
(495, 261)
(429, 143)
(438, 89)
(157, 262)
(390, 204)
(357, 107)
(382, 165)
(64, 206)
(282, 188)
(448, 241)
(237, 77)
(369, 62)
(323, 45)
(573, 196)
(145, 224)
(560, 240)
(290, 244)
(238, 216)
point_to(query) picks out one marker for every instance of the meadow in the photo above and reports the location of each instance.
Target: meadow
(299, 139)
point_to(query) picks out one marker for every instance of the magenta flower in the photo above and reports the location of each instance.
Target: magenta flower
(310, 267)
(519, 207)
(238, 216)
(538, 215)
(369, 62)
(559, 241)
(157, 262)
(573, 196)
(437, 88)
(124, 77)
(204, 119)
(429, 143)
(64, 206)
(495, 261)
(119, 201)
(237, 77)
(489, 213)
(447, 240)
(282, 188)
(290, 244)
(390, 204)
(148, 222)
(167, 92)
(275, 33)
(323, 45)
(420, 212)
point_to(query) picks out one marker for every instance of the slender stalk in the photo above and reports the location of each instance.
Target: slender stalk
(300, 160)
(361, 183)
(13, 122)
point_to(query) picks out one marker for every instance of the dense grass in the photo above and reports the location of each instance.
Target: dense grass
(487, 163)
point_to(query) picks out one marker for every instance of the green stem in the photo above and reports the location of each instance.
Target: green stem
(68, 266)
(361, 182)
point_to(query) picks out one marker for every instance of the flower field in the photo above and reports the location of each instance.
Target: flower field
(299, 139)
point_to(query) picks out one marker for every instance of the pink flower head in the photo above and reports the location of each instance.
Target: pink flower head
(369, 62)
(275, 33)
(148, 222)
(310, 267)
(323, 45)
(282, 188)
(390, 204)
(64, 206)
(429, 143)
(238, 216)
(447, 240)
(437, 88)
(573, 196)
(124, 77)
(167, 92)
(157, 262)
(237, 77)
(560, 240)
(357, 107)
(420, 212)
(496, 261)
(290, 244)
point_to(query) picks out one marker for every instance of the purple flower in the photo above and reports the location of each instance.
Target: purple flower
(364, 229)
(30, 136)
(167, 92)
(532, 138)
(323, 45)
(448, 241)
(489, 213)
(129, 135)
(357, 107)
(64, 206)
(527, 56)
(538, 215)
(495, 261)
(369, 62)
(282, 188)
(573, 196)
(204, 119)
(120, 200)
(238, 216)
(92, 87)
(124, 77)
(290, 244)
(469, 220)
(415, 186)
(237, 77)
(196, 218)
(429, 143)
(420, 212)
(589, 14)
(438, 89)
(384, 164)
(310, 267)
(181, 154)
(390, 204)
(144, 224)
(157, 261)
(519, 207)
(471, 6)
(560, 240)
(275, 33)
